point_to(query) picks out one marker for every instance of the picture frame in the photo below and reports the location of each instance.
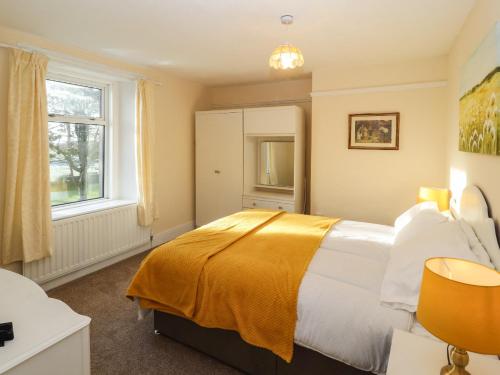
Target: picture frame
(374, 131)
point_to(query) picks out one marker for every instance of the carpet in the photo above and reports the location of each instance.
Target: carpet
(119, 343)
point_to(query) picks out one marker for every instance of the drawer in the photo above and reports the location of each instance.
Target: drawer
(274, 205)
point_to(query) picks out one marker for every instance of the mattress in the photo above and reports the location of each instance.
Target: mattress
(338, 311)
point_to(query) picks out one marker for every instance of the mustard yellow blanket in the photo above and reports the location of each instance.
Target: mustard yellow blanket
(241, 273)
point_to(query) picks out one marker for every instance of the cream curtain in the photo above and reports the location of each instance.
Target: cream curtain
(27, 223)
(147, 211)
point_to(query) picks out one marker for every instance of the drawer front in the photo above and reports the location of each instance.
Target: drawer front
(259, 203)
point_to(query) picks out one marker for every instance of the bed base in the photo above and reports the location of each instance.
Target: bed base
(229, 348)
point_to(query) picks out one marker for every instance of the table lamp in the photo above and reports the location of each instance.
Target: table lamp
(460, 304)
(439, 195)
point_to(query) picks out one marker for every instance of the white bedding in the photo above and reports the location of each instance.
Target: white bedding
(339, 312)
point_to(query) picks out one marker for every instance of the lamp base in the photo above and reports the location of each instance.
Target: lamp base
(453, 370)
(460, 359)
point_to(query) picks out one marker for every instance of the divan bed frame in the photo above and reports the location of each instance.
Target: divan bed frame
(228, 347)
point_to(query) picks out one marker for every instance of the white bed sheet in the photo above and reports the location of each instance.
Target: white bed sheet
(339, 313)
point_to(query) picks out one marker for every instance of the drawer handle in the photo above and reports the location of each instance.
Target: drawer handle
(254, 204)
(280, 208)
(216, 171)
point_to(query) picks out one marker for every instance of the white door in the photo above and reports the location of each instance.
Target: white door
(219, 164)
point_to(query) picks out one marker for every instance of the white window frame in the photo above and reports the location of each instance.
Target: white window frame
(105, 120)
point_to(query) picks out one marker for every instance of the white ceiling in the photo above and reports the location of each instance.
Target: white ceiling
(229, 41)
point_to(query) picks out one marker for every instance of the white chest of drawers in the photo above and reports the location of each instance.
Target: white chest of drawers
(49, 337)
(274, 204)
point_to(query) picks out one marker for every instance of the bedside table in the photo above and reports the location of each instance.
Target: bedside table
(417, 355)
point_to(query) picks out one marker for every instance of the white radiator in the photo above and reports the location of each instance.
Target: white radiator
(84, 240)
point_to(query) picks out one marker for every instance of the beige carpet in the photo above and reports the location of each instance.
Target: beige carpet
(119, 343)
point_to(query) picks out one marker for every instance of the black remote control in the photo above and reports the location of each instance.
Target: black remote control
(6, 332)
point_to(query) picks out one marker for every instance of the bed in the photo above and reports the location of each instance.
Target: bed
(341, 328)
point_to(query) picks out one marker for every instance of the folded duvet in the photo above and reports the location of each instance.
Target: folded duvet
(241, 272)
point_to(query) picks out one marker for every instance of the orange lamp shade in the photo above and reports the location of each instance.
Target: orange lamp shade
(438, 195)
(460, 304)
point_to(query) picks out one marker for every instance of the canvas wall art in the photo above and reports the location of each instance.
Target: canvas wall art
(479, 118)
(374, 131)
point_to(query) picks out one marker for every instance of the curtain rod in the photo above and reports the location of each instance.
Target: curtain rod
(7, 45)
(61, 57)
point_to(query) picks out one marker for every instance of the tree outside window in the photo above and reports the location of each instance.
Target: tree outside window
(76, 142)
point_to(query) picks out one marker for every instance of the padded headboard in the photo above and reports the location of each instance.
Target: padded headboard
(472, 208)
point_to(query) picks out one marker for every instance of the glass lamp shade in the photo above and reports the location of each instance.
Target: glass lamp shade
(460, 304)
(286, 56)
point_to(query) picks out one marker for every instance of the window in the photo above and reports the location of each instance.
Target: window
(77, 140)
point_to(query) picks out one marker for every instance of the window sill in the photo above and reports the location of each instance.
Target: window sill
(60, 213)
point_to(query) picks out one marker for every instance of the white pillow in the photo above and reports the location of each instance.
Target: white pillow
(484, 230)
(474, 244)
(401, 284)
(409, 214)
(421, 223)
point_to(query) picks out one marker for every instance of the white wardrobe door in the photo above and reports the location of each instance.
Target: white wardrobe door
(219, 164)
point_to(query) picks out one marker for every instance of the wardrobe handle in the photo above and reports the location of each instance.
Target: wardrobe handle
(254, 204)
(216, 171)
(280, 208)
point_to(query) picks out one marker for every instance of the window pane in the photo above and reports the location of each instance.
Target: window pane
(67, 99)
(76, 162)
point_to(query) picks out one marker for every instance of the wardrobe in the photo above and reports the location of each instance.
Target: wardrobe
(249, 158)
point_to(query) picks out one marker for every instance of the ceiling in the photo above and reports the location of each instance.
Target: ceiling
(229, 41)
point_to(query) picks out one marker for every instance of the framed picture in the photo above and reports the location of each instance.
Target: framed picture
(374, 131)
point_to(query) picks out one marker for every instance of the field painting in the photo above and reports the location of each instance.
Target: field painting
(479, 106)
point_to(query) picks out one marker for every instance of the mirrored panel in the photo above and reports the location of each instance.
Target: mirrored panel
(276, 163)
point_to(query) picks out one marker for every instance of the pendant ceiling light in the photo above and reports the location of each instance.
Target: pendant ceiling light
(286, 56)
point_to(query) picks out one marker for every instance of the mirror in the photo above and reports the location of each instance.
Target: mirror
(276, 163)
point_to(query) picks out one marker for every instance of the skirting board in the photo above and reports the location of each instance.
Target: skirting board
(158, 239)
(170, 234)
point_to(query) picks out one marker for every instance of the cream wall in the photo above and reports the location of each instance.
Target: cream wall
(289, 92)
(372, 185)
(176, 100)
(464, 167)
(174, 151)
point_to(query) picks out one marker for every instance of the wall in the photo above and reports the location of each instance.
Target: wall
(462, 167)
(174, 150)
(289, 92)
(176, 101)
(371, 185)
